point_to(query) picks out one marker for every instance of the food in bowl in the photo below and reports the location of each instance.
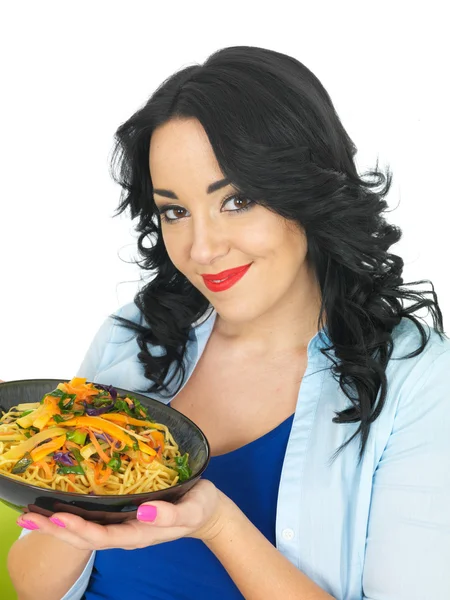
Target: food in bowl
(86, 438)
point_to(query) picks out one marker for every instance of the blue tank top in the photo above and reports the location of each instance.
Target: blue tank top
(186, 569)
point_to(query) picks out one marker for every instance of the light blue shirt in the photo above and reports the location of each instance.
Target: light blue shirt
(378, 529)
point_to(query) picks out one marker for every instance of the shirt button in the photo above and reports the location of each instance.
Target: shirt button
(288, 534)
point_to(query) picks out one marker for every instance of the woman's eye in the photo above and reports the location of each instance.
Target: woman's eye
(235, 203)
(173, 214)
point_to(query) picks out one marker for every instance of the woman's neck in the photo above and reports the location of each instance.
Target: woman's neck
(289, 325)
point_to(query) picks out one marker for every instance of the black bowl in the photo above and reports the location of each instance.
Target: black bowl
(108, 508)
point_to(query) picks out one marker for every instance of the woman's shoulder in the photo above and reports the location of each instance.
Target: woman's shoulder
(130, 312)
(407, 337)
(419, 382)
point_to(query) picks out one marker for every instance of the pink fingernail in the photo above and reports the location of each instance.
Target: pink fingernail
(56, 521)
(147, 512)
(26, 524)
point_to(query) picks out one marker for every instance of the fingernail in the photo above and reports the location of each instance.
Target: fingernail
(56, 521)
(26, 524)
(146, 512)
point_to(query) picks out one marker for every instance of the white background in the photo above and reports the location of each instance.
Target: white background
(71, 73)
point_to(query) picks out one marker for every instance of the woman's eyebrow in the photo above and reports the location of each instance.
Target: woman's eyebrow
(213, 187)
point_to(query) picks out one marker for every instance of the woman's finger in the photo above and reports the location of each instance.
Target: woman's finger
(193, 511)
(41, 524)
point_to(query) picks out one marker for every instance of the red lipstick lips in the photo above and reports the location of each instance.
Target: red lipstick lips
(219, 282)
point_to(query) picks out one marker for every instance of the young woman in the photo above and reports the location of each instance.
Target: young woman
(276, 319)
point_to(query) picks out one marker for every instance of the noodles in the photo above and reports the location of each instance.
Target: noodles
(85, 438)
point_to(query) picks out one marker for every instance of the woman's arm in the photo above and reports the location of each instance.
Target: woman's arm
(42, 566)
(258, 569)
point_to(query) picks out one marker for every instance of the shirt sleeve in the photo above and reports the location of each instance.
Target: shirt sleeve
(92, 360)
(408, 536)
(79, 587)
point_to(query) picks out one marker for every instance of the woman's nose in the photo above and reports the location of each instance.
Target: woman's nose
(209, 242)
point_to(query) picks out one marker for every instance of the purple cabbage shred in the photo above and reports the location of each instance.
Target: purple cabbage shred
(63, 458)
(107, 388)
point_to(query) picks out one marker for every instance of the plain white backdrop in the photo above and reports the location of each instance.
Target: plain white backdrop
(71, 73)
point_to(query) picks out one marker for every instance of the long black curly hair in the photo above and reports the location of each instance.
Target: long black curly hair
(280, 142)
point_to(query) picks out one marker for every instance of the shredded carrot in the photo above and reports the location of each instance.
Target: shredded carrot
(45, 467)
(105, 458)
(71, 445)
(70, 488)
(101, 477)
(144, 459)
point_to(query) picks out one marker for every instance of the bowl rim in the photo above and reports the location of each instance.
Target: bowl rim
(114, 496)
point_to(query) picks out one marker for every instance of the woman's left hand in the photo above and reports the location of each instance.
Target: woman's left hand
(198, 514)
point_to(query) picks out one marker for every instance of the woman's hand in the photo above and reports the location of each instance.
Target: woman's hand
(198, 514)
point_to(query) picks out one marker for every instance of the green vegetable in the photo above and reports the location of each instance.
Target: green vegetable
(121, 405)
(25, 412)
(59, 418)
(66, 402)
(22, 465)
(55, 393)
(79, 460)
(27, 431)
(75, 469)
(115, 463)
(138, 407)
(97, 401)
(78, 437)
(184, 471)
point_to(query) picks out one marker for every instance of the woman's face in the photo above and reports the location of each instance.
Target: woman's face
(209, 229)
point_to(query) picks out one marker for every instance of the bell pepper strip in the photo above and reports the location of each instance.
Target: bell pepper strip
(158, 438)
(27, 420)
(12, 436)
(41, 451)
(146, 449)
(49, 409)
(101, 424)
(117, 418)
(30, 443)
(42, 420)
(98, 424)
(25, 406)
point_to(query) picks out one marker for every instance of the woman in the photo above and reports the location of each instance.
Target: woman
(276, 321)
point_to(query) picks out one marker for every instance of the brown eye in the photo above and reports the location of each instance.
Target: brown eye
(236, 203)
(170, 214)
